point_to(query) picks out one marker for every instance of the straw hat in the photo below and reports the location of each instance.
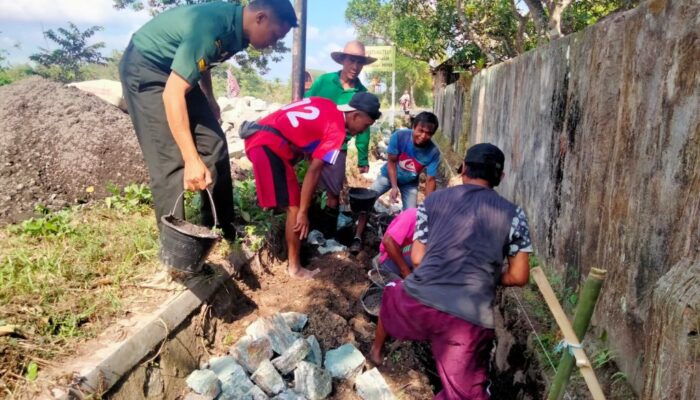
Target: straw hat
(352, 48)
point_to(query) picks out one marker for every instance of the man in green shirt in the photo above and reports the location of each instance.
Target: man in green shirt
(340, 86)
(167, 86)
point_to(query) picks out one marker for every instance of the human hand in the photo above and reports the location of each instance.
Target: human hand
(301, 226)
(363, 169)
(197, 175)
(394, 195)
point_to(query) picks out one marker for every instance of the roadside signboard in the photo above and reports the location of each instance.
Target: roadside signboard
(385, 55)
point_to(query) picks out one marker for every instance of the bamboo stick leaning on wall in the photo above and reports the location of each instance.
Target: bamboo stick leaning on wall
(558, 312)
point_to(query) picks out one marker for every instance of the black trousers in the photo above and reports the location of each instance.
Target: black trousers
(142, 85)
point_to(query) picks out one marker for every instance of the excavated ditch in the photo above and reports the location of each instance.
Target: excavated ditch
(336, 317)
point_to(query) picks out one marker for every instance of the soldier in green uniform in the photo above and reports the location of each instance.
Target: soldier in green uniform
(167, 86)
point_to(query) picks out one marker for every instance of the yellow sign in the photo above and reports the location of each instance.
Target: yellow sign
(385, 55)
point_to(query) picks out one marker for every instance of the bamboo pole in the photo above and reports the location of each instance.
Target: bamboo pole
(581, 359)
(582, 319)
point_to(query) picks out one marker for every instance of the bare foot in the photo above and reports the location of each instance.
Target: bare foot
(375, 356)
(302, 273)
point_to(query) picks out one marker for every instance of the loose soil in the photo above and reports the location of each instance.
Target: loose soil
(56, 142)
(336, 316)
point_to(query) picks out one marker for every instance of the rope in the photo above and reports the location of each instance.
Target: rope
(532, 326)
(563, 344)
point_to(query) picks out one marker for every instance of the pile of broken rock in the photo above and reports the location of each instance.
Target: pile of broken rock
(299, 371)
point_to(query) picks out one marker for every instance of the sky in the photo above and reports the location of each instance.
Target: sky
(23, 21)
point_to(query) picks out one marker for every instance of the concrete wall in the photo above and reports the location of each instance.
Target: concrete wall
(601, 131)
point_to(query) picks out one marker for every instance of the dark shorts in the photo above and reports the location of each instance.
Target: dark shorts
(462, 350)
(333, 176)
(275, 179)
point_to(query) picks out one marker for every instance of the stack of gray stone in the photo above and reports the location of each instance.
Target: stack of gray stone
(274, 361)
(236, 110)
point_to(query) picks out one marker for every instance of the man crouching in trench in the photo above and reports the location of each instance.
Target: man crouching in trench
(461, 237)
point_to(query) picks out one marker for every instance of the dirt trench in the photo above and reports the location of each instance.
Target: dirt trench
(336, 317)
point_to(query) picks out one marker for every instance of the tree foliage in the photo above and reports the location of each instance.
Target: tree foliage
(73, 53)
(250, 59)
(412, 75)
(473, 33)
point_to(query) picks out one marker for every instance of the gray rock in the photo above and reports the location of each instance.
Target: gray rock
(295, 320)
(258, 105)
(311, 381)
(224, 367)
(236, 147)
(268, 379)
(372, 386)
(289, 395)
(230, 115)
(204, 382)
(331, 246)
(315, 355)
(274, 328)
(251, 352)
(195, 396)
(344, 362)
(256, 394)
(290, 358)
(234, 382)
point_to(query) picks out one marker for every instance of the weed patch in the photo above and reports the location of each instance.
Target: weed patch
(63, 276)
(257, 223)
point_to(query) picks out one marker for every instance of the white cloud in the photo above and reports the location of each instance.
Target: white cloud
(341, 33)
(6, 42)
(332, 46)
(312, 33)
(98, 12)
(312, 60)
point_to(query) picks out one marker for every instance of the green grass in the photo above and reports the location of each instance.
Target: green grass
(63, 275)
(258, 224)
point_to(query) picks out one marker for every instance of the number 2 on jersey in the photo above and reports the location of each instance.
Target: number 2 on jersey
(310, 113)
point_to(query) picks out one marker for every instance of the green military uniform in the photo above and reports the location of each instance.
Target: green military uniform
(329, 86)
(185, 40)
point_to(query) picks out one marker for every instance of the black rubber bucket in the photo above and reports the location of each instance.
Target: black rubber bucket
(361, 199)
(185, 246)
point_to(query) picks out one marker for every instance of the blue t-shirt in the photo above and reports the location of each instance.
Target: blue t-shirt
(411, 159)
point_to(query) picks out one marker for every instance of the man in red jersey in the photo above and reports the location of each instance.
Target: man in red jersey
(314, 127)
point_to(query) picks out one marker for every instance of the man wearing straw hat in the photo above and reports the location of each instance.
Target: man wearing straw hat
(339, 87)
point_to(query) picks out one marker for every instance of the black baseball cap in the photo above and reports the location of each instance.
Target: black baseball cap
(365, 102)
(485, 154)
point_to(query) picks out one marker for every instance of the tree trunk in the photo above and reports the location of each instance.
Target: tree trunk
(520, 33)
(555, 20)
(410, 93)
(538, 15)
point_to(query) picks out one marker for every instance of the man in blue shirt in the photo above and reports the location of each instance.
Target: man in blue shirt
(410, 151)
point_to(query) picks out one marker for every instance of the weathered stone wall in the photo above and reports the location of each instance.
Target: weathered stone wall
(601, 131)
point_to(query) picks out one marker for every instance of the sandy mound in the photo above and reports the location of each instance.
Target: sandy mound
(57, 141)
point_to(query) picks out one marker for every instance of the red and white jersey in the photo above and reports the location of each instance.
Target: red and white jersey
(314, 125)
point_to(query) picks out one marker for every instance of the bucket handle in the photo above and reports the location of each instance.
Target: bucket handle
(375, 268)
(211, 202)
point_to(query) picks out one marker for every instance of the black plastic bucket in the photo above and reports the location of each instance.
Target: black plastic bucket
(361, 199)
(185, 246)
